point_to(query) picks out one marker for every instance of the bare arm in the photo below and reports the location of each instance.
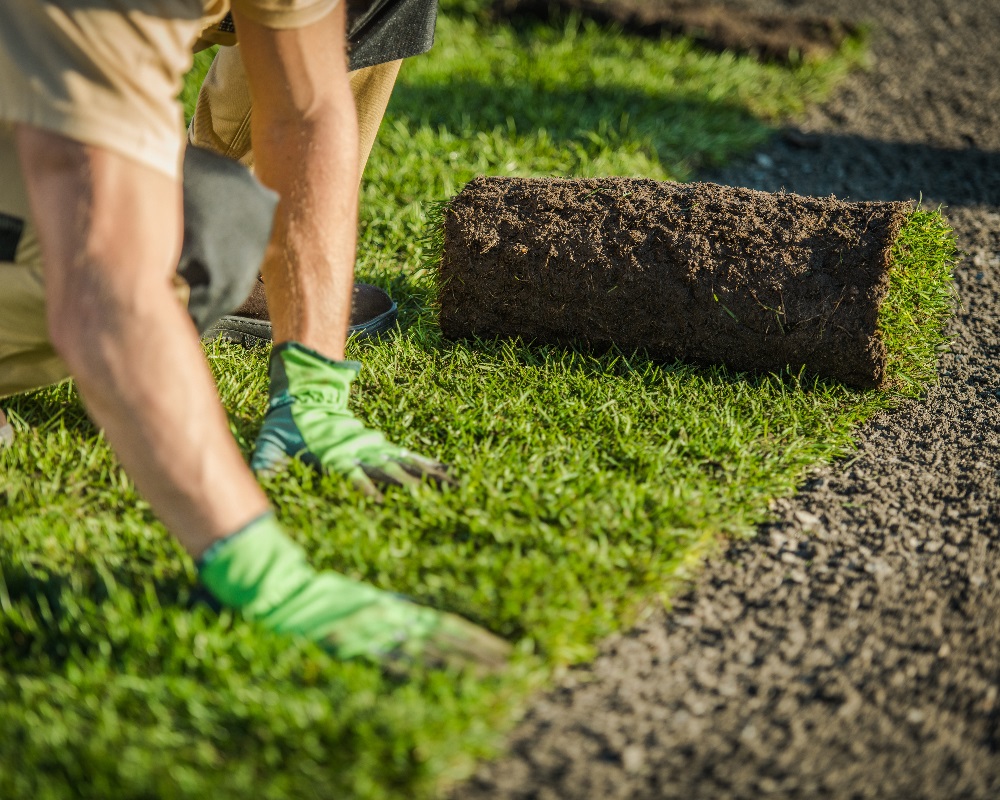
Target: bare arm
(110, 233)
(305, 136)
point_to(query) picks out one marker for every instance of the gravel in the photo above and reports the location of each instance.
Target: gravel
(850, 649)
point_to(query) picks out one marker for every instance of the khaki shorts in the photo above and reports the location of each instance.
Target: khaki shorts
(222, 117)
(61, 70)
(78, 98)
(108, 72)
(27, 360)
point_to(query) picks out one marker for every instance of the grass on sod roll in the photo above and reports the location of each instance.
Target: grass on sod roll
(919, 302)
(586, 484)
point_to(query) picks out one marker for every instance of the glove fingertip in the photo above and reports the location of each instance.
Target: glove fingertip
(420, 467)
(364, 484)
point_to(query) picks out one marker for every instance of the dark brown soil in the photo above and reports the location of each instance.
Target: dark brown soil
(715, 26)
(852, 648)
(759, 281)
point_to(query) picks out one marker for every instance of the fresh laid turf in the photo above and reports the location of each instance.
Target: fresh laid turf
(587, 485)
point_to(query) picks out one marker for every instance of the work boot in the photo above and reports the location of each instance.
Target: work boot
(373, 313)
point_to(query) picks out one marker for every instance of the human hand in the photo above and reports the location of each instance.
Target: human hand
(263, 574)
(308, 418)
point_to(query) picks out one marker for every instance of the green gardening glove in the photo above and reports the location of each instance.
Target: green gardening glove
(263, 574)
(308, 418)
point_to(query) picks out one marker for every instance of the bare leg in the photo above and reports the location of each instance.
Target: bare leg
(305, 135)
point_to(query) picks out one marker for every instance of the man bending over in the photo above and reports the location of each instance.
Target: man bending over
(91, 145)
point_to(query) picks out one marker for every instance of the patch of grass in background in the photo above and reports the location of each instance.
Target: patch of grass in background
(575, 101)
(586, 483)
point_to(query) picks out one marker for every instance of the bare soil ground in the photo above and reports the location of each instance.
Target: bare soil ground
(851, 649)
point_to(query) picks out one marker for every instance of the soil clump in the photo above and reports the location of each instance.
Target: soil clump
(850, 649)
(779, 37)
(758, 281)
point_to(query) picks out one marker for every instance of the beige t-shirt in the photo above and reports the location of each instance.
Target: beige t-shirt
(107, 72)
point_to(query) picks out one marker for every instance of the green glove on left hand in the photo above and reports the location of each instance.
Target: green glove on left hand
(260, 572)
(308, 418)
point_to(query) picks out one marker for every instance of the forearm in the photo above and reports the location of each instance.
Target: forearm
(109, 231)
(163, 418)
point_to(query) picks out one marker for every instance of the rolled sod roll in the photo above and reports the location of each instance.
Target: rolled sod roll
(713, 274)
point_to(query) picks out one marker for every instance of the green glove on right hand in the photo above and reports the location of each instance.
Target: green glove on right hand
(308, 418)
(263, 574)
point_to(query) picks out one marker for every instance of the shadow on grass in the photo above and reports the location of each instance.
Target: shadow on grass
(685, 131)
(612, 362)
(49, 618)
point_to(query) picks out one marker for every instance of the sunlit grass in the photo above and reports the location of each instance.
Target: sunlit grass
(919, 302)
(586, 484)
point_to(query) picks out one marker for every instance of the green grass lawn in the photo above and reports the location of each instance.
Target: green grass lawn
(587, 485)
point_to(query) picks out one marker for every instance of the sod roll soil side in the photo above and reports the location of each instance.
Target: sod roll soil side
(699, 272)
